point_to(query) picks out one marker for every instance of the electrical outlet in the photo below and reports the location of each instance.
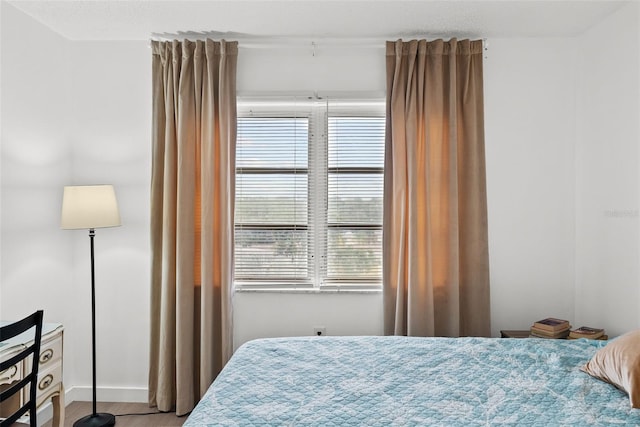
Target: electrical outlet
(319, 330)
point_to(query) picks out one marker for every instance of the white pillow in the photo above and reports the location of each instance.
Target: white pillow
(618, 363)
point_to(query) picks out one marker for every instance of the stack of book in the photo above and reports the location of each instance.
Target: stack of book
(551, 328)
(587, 332)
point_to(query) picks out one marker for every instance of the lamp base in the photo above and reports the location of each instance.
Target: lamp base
(96, 420)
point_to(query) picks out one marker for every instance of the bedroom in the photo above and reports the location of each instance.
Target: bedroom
(562, 176)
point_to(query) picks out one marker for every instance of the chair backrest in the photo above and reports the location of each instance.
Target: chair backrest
(30, 376)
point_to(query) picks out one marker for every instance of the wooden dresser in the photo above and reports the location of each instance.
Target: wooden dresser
(49, 373)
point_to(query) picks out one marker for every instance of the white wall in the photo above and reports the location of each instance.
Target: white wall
(262, 315)
(607, 243)
(537, 173)
(296, 69)
(36, 161)
(110, 119)
(77, 113)
(529, 131)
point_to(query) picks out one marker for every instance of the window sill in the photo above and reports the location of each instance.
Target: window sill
(323, 290)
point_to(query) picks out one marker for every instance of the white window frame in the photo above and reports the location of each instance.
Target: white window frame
(318, 111)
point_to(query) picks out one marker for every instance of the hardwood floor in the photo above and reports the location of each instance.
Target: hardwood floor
(77, 410)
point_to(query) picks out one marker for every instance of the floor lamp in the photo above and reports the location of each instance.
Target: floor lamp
(91, 207)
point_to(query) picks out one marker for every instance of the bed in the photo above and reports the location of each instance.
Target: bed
(403, 381)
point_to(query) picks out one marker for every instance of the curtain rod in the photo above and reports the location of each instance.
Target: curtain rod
(273, 42)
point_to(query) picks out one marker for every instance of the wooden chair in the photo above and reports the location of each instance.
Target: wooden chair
(30, 378)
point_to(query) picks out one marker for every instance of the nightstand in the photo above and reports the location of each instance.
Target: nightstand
(504, 333)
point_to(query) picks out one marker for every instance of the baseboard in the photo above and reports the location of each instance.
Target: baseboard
(107, 394)
(104, 394)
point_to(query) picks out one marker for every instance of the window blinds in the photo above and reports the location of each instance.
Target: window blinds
(272, 215)
(308, 194)
(354, 195)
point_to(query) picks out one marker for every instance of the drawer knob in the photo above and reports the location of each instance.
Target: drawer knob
(45, 382)
(46, 355)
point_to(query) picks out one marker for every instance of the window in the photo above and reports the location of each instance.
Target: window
(309, 183)
(354, 193)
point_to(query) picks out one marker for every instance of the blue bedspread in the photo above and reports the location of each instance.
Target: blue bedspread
(400, 381)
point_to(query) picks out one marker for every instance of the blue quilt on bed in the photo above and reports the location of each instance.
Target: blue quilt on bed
(400, 381)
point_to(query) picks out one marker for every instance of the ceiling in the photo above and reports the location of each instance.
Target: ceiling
(378, 19)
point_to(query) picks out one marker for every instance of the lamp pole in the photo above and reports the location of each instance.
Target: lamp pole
(95, 419)
(92, 234)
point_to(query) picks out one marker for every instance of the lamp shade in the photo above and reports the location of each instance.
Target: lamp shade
(89, 206)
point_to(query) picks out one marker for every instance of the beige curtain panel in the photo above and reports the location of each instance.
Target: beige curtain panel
(192, 199)
(436, 262)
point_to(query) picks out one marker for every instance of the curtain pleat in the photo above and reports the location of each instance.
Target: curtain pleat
(192, 199)
(435, 245)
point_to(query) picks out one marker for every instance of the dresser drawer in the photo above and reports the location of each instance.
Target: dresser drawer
(49, 369)
(49, 381)
(11, 374)
(50, 352)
